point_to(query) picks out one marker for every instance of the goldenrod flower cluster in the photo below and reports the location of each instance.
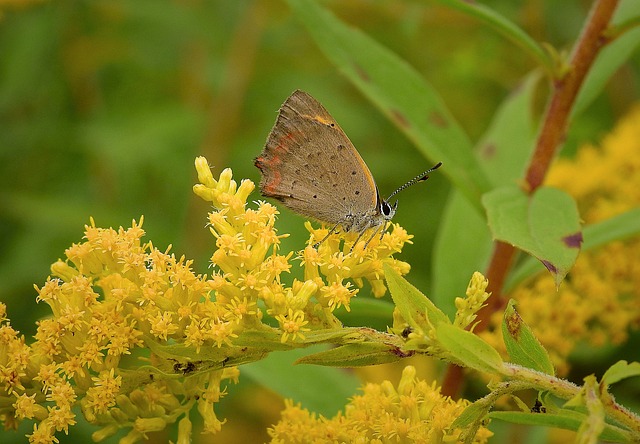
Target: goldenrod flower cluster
(118, 306)
(137, 339)
(413, 412)
(467, 307)
(600, 299)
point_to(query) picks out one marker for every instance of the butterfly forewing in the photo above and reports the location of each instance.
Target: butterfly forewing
(311, 166)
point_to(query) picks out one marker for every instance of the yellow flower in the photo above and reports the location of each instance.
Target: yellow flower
(474, 301)
(62, 394)
(292, 324)
(211, 422)
(221, 332)
(414, 412)
(27, 407)
(337, 294)
(237, 309)
(61, 418)
(162, 325)
(103, 393)
(43, 432)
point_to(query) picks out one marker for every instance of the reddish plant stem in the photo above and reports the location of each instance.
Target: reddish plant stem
(499, 265)
(452, 381)
(565, 91)
(550, 138)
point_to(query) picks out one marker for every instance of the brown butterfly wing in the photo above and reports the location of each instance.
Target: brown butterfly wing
(311, 166)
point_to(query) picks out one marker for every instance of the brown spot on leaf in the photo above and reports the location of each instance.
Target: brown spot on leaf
(362, 73)
(513, 323)
(488, 150)
(400, 118)
(573, 240)
(437, 119)
(552, 268)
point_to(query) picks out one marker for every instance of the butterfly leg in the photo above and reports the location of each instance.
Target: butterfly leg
(370, 239)
(333, 230)
(386, 228)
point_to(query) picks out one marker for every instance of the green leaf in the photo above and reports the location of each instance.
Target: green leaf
(416, 309)
(563, 420)
(506, 146)
(596, 235)
(324, 390)
(356, 355)
(468, 349)
(270, 339)
(523, 347)
(228, 355)
(621, 370)
(618, 227)
(474, 412)
(461, 227)
(400, 93)
(263, 338)
(545, 225)
(330, 335)
(505, 27)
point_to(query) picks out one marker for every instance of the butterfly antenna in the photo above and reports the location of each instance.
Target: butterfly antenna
(419, 178)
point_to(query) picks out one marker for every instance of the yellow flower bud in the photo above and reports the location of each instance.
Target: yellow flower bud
(184, 431)
(105, 433)
(146, 425)
(204, 172)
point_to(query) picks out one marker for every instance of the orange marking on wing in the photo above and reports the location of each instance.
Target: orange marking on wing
(323, 120)
(259, 162)
(270, 162)
(270, 188)
(283, 144)
(274, 160)
(319, 119)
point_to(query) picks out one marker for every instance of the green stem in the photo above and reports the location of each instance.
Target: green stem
(619, 413)
(566, 390)
(541, 381)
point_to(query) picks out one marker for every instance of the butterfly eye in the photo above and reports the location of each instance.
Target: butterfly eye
(386, 209)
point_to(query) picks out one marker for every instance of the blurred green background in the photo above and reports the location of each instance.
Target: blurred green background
(104, 104)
